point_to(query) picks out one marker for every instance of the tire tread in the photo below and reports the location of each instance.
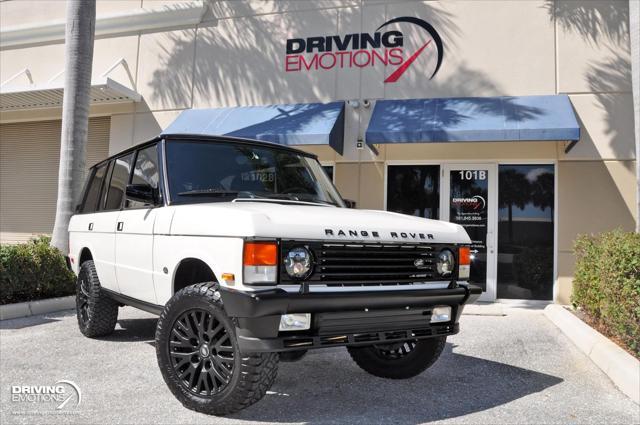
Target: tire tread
(103, 311)
(257, 371)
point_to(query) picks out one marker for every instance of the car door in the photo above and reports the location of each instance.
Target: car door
(96, 226)
(134, 232)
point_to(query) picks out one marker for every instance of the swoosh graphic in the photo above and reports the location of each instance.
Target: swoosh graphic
(402, 68)
(428, 28)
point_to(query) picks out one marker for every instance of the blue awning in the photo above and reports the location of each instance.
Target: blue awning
(473, 119)
(295, 124)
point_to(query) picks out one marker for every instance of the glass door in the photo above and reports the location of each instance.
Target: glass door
(469, 199)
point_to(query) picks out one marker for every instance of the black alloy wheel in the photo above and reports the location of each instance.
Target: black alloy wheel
(400, 360)
(201, 352)
(97, 314)
(82, 300)
(200, 358)
(395, 351)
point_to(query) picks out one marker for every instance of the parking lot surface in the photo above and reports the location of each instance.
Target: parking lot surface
(516, 368)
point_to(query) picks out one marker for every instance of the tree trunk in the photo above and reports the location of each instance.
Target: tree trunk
(634, 33)
(79, 35)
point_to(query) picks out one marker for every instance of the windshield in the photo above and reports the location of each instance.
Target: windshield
(210, 172)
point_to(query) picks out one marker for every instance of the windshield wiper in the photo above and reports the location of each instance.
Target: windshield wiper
(292, 197)
(208, 192)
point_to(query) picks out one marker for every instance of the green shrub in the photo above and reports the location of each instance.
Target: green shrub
(606, 284)
(32, 271)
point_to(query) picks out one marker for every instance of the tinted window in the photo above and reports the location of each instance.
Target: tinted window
(206, 172)
(118, 183)
(414, 190)
(145, 171)
(93, 189)
(525, 231)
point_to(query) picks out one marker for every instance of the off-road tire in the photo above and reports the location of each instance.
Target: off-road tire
(399, 361)
(252, 374)
(97, 313)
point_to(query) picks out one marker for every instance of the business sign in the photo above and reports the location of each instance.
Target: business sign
(384, 47)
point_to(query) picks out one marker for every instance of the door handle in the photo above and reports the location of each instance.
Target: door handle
(90, 226)
(120, 226)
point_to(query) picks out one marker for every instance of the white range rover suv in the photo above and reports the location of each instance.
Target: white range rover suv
(249, 256)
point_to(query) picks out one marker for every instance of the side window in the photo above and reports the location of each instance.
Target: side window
(146, 172)
(93, 190)
(118, 183)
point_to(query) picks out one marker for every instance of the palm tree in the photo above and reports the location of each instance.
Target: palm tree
(634, 32)
(79, 35)
(542, 192)
(514, 192)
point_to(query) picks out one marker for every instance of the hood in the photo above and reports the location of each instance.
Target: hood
(310, 222)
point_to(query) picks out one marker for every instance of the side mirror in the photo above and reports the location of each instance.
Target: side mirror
(350, 203)
(141, 193)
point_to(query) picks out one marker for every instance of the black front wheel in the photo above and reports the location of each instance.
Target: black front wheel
(199, 358)
(400, 360)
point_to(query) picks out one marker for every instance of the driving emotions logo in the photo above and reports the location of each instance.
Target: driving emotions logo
(384, 47)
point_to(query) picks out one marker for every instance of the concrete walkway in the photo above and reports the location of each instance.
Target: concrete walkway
(511, 368)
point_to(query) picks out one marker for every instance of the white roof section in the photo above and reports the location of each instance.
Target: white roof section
(179, 14)
(48, 95)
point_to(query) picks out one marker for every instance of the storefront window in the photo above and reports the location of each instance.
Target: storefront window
(525, 231)
(414, 190)
(329, 170)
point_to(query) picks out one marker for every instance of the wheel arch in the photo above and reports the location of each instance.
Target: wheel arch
(191, 270)
(85, 255)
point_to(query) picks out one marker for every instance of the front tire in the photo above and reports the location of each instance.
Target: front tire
(199, 358)
(398, 361)
(97, 313)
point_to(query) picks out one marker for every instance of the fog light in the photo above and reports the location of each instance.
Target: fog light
(295, 322)
(463, 272)
(441, 314)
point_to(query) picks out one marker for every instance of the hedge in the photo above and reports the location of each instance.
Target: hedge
(606, 285)
(32, 271)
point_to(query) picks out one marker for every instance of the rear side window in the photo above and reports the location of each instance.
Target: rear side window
(118, 183)
(145, 172)
(93, 190)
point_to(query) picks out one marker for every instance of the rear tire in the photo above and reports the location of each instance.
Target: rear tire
(97, 313)
(199, 358)
(398, 361)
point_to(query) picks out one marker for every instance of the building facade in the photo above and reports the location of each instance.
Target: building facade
(522, 197)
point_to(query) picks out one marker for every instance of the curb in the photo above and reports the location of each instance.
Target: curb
(31, 308)
(621, 367)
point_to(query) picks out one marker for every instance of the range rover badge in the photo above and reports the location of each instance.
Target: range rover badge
(419, 262)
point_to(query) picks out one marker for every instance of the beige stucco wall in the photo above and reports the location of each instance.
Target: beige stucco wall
(492, 48)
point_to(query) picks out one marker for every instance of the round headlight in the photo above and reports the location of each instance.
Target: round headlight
(298, 263)
(446, 262)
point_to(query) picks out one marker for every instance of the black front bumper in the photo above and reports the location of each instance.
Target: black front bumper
(342, 318)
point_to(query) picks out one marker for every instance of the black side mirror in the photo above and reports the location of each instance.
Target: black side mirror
(141, 193)
(350, 203)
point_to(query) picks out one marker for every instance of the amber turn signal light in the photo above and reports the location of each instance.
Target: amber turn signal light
(465, 255)
(260, 254)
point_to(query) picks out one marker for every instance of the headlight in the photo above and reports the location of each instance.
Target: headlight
(445, 263)
(298, 263)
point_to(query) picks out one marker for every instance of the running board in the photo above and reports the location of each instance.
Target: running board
(133, 302)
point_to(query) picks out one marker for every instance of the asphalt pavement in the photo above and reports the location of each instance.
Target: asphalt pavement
(516, 368)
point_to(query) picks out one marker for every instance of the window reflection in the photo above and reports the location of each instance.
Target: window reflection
(414, 190)
(525, 231)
